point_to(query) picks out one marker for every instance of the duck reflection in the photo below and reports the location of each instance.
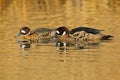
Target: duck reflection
(61, 46)
(24, 44)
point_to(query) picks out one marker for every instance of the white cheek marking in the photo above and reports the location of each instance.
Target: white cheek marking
(22, 31)
(58, 32)
(63, 33)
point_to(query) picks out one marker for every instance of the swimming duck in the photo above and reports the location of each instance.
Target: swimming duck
(80, 34)
(89, 34)
(44, 35)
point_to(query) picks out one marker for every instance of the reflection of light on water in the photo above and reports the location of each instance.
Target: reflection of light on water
(78, 56)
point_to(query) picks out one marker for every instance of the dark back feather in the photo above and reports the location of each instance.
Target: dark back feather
(86, 29)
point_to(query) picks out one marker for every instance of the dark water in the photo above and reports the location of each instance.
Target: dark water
(45, 62)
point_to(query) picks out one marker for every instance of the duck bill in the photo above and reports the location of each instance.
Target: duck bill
(18, 35)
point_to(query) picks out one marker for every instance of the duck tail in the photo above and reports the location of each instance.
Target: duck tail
(107, 37)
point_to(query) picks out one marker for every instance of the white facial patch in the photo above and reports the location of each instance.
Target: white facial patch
(57, 32)
(64, 33)
(22, 31)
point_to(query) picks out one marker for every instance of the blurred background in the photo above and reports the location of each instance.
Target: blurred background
(45, 62)
(55, 13)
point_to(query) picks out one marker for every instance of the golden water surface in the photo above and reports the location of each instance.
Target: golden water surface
(45, 62)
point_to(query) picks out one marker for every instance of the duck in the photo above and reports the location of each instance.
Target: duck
(44, 35)
(80, 35)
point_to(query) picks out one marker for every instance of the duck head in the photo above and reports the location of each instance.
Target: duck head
(62, 31)
(24, 31)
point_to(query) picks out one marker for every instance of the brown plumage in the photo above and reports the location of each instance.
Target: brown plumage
(81, 34)
(39, 35)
